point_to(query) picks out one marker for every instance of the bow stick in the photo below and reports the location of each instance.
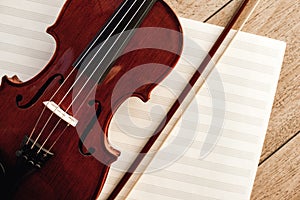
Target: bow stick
(183, 95)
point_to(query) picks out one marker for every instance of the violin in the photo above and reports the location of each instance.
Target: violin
(54, 127)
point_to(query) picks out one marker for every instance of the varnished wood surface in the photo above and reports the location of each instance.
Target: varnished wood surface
(23, 103)
(278, 175)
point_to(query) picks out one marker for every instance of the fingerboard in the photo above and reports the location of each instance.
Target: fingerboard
(112, 38)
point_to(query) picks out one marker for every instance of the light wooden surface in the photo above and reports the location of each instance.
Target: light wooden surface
(278, 175)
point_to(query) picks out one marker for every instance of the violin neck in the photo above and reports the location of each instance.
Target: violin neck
(113, 37)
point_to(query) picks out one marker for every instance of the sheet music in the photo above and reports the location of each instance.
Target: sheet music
(217, 158)
(214, 148)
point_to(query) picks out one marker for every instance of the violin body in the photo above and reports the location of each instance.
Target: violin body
(81, 156)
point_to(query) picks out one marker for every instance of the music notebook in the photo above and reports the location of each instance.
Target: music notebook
(215, 139)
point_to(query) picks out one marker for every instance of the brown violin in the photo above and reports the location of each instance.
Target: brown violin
(54, 127)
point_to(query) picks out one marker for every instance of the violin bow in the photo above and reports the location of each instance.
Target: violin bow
(184, 93)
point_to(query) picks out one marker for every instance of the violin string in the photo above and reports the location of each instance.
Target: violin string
(95, 70)
(80, 106)
(116, 53)
(73, 70)
(86, 96)
(58, 137)
(70, 89)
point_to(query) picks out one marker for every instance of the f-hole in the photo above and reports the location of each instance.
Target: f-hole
(88, 128)
(40, 92)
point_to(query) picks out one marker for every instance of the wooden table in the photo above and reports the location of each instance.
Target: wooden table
(278, 175)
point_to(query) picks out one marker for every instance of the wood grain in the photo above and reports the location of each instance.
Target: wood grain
(286, 165)
(278, 19)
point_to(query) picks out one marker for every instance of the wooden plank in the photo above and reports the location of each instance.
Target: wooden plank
(198, 9)
(279, 176)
